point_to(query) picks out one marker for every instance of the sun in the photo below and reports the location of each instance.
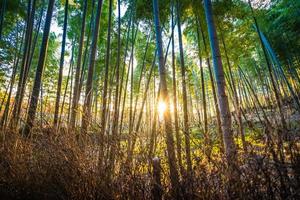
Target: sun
(161, 108)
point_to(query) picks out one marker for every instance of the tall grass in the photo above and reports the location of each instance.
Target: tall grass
(54, 165)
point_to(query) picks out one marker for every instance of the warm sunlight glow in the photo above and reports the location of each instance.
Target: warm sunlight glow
(161, 108)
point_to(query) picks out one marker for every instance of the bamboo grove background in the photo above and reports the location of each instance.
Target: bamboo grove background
(132, 99)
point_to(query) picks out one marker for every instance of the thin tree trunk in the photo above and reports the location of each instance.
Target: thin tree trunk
(39, 72)
(116, 102)
(280, 69)
(202, 85)
(61, 65)
(83, 69)
(184, 95)
(41, 106)
(277, 95)
(176, 121)
(130, 153)
(140, 78)
(25, 64)
(229, 144)
(89, 84)
(165, 97)
(122, 79)
(249, 86)
(66, 87)
(126, 82)
(76, 92)
(136, 130)
(107, 63)
(131, 139)
(235, 96)
(213, 87)
(157, 187)
(124, 62)
(12, 82)
(35, 40)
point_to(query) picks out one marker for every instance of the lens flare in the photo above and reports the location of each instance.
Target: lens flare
(161, 109)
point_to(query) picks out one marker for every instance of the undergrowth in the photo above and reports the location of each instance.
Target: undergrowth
(59, 165)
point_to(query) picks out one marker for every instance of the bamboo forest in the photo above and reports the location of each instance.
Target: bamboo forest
(149, 99)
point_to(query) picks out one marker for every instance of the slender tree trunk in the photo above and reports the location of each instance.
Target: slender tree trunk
(130, 142)
(178, 137)
(66, 87)
(165, 97)
(39, 72)
(154, 121)
(12, 82)
(130, 154)
(124, 61)
(76, 92)
(86, 53)
(25, 64)
(280, 69)
(277, 95)
(212, 86)
(89, 84)
(116, 102)
(70, 96)
(136, 130)
(249, 86)
(131, 98)
(235, 96)
(184, 95)
(107, 63)
(229, 144)
(41, 106)
(132, 130)
(157, 187)
(140, 78)
(122, 79)
(61, 65)
(202, 84)
(126, 83)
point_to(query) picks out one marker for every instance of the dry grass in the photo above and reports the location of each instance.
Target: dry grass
(57, 166)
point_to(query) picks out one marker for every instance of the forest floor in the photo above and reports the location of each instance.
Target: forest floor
(53, 165)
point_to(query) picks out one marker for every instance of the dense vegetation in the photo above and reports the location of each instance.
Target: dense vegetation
(149, 99)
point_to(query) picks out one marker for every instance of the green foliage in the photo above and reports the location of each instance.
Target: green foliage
(281, 25)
